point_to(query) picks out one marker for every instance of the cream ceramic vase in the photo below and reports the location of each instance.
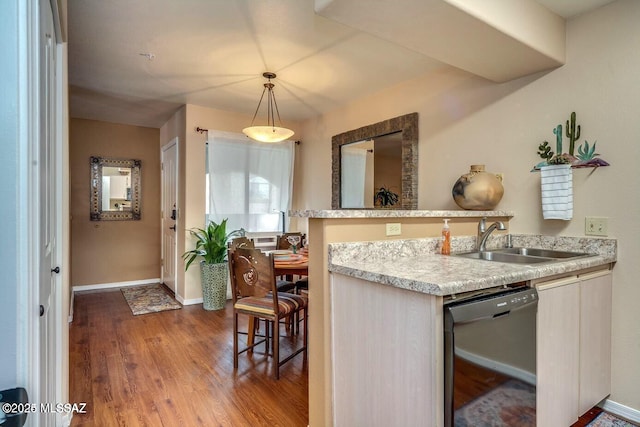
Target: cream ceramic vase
(478, 190)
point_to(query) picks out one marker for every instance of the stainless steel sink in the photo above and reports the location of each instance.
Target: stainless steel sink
(546, 253)
(522, 255)
(504, 257)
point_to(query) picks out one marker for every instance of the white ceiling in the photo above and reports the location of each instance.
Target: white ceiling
(213, 53)
(571, 8)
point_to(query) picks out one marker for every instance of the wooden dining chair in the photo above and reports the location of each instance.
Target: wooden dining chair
(302, 284)
(244, 242)
(241, 242)
(283, 285)
(283, 243)
(255, 294)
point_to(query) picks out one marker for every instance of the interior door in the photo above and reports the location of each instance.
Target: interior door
(46, 185)
(169, 183)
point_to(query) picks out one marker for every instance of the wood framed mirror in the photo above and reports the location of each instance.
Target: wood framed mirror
(396, 143)
(115, 189)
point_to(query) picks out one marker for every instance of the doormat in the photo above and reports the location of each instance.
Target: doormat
(605, 419)
(511, 404)
(149, 299)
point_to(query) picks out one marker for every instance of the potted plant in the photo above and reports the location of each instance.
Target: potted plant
(211, 246)
(384, 197)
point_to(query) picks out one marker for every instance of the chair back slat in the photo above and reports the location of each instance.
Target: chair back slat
(252, 274)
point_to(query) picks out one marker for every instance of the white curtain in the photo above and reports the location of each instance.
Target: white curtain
(249, 182)
(354, 172)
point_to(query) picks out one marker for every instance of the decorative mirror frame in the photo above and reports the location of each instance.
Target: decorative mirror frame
(408, 125)
(96, 211)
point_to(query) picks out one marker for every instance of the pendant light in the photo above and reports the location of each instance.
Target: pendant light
(270, 132)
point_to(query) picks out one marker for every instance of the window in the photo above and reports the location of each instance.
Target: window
(248, 182)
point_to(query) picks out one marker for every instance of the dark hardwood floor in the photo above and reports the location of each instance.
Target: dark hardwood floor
(174, 368)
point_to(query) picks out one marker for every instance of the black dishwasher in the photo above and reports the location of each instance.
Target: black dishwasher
(490, 357)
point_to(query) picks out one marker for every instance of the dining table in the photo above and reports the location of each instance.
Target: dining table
(295, 264)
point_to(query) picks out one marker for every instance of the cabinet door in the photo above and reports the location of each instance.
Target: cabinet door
(118, 187)
(595, 338)
(388, 371)
(558, 334)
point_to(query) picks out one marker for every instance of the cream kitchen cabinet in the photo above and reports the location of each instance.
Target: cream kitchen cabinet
(595, 338)
(557, 354)
(387, 355)
(573, 352)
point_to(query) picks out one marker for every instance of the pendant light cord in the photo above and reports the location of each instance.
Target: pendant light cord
(258, 108)
(272, 105)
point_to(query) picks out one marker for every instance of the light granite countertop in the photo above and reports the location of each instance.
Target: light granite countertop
(415, 264)
(391, 213)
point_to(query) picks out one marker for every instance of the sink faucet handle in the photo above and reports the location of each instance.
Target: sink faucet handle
(482, 225)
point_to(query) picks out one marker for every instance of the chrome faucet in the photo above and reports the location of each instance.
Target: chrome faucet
(484, 232)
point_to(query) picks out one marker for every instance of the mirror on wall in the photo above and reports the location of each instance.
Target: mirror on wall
(115, 189)
(376, 166)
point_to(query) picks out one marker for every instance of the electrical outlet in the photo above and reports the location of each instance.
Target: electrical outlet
(596, 226)
(394, 229)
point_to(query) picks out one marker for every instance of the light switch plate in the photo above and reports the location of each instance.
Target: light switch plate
(596, 226)
(394, 229)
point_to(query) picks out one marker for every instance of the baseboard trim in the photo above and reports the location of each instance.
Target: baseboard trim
(621, 410)
(99, 286)
(191, 301)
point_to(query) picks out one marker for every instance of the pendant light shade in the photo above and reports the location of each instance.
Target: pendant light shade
(270, 132)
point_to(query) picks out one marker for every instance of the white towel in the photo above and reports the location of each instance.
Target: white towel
(556, 183)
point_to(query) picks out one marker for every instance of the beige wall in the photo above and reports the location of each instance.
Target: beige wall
(113, 251)
(467, 120)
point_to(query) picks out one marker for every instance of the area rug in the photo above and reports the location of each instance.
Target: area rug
(511, 404)
(149, 299)
(605, 419)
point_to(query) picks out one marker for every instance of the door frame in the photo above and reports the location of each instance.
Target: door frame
(28, 206)
(174, 141)
(28, 361)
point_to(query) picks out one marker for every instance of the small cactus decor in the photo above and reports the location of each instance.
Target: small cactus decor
(572, 134)
(586, 156)
(544, 151)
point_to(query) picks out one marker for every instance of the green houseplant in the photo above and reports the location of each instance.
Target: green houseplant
(384, 197)
(211, 247)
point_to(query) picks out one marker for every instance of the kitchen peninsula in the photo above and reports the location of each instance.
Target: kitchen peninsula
(399, 285)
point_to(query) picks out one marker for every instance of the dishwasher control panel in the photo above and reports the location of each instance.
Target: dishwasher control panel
(491, 305)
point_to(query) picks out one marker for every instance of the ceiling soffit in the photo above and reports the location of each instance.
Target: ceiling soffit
(495, 39)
